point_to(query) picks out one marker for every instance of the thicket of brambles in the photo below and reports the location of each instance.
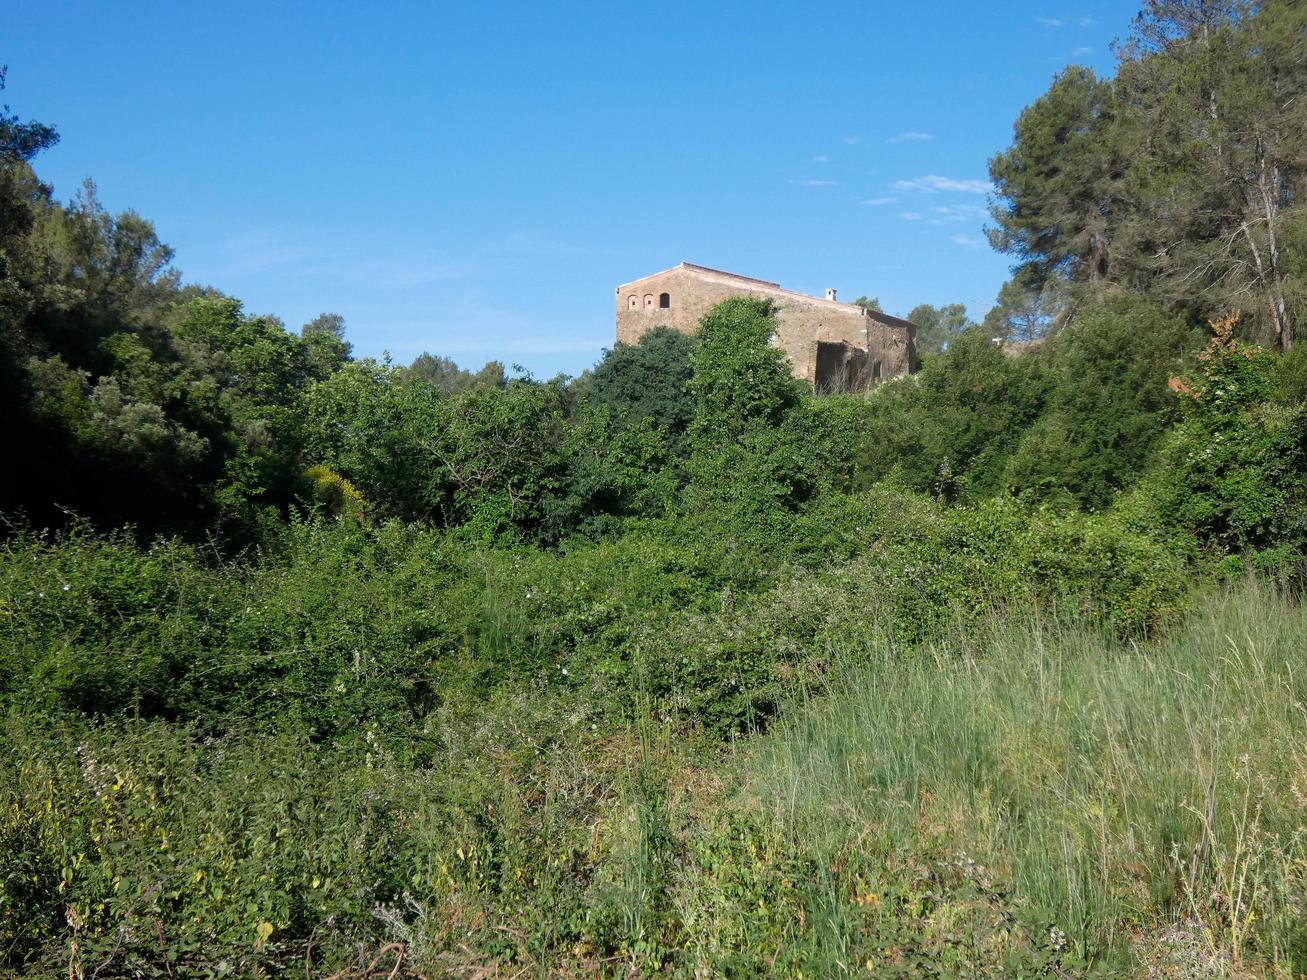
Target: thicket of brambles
(317, 664)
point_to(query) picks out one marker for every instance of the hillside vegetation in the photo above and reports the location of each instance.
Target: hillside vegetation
(330, 666)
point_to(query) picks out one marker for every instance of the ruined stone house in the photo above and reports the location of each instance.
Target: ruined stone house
(833, 346)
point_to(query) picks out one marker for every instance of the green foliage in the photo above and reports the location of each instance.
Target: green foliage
(1234, 472)
(1061, 164)
(926, 801)
(499, 462)
(748, 466)
(448, 378)
(367, 421)
(613, 471)
(1181, 176)
(648, 381)
(325, 343)
(146, 403)
(1109, 403)
(950, 429)
(106, 628)
(138, 400)
(1291, 377)
(447, 688)
(740, 383)
(938, 325)
(20, 141)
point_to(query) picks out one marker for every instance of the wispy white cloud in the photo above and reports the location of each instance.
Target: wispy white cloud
(968, 241)
(811, 182)
(911, 138)
(948, 214)
(879, 201)
(1075, 54)
(1049, 21)
(966, 210)
(820, 158)
(933, 182)
(1086, 22)
(853, 140)
(912, 216)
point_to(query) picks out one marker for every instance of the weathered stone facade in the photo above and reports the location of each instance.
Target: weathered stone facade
(831, 345)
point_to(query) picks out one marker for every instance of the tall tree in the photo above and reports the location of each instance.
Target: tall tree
(20, 141)
(448, 378)
(1218, 148)
(1182, 177)
(332, 324)
(1024, 312)
(937, 326)
(1057, 190)
(324, 338)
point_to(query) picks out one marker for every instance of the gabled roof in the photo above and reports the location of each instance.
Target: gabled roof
(691, 267)
(709, 272)
(890, 321)
(730, 275)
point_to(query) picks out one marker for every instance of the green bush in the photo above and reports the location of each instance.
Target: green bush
(951, 429)
(1234, 473)
(1109, 404)
(648, 382)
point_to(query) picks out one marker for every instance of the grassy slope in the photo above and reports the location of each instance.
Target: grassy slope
(1018, 800)
(1147, 804)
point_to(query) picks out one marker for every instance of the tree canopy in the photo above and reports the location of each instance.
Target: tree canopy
(1182, 176)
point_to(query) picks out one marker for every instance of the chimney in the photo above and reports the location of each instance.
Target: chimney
(830, 295)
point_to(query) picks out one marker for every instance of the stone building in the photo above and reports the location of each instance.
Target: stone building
(833, 346)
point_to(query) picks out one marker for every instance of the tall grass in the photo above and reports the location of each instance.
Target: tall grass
(1028, 797)
(1131, 802)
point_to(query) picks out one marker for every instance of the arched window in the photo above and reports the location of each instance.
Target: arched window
(631, 302)
(664, 301)
(648, 301)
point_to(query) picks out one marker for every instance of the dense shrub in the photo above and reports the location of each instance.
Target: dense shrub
(534, 832)
(648, 381)
(951, 429)
(1234, 472)
(1109, 403)
(339, 626)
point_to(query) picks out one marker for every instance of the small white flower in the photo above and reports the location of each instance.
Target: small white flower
(67, 587)
(564, 669)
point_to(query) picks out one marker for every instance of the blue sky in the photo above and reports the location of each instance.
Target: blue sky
(474, 179)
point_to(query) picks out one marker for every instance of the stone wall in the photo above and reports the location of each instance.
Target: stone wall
(690, 291)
